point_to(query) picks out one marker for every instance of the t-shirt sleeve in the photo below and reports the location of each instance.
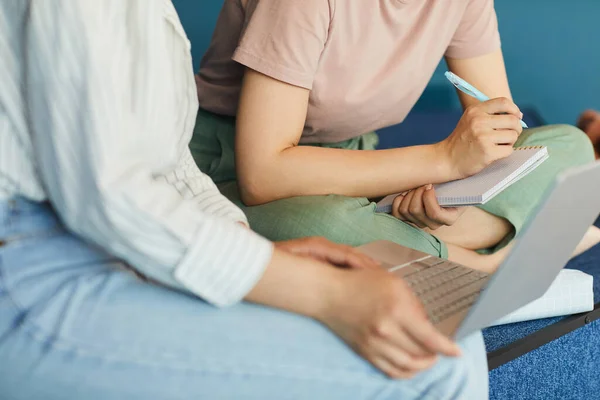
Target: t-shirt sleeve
(284, 39)
(477, 33)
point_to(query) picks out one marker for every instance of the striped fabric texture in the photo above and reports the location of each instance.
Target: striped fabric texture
(97, 107)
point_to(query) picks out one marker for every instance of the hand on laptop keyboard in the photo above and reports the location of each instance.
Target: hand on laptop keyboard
(379, 316)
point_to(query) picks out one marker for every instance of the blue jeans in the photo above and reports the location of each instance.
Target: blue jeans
(75, 323)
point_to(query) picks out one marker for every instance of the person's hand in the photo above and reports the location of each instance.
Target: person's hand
(372, 310)
(332, 253)
(421, 208)
(378, 315)
(485, 133)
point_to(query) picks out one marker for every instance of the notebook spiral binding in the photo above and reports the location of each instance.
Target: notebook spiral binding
(529, 148)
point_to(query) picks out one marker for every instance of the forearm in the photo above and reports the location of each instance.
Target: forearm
(487, 73)
(307, 170)
(297, 284)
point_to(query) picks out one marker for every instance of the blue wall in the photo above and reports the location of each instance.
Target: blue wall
(198, 18)
(552, 51)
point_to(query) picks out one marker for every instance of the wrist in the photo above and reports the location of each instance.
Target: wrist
(443, 160)
(300, 285)
(332, 293)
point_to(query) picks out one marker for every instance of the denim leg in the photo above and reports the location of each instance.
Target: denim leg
(75, 324)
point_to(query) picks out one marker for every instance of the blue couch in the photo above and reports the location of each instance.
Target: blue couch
(544, 359)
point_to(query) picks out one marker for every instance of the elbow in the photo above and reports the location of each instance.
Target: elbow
(263, 180)
(255, 192)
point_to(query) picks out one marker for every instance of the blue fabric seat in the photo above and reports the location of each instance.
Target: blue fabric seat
(562, 369)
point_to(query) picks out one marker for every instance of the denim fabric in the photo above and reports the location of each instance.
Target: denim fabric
(75, 323)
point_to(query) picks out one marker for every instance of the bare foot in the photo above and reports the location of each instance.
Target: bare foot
(591, 238)
(482, 262)
(589, 122)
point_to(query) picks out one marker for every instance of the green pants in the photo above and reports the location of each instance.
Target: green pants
(353, 220)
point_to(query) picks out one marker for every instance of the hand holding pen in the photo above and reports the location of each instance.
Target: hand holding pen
(471, 90)
(485, 133)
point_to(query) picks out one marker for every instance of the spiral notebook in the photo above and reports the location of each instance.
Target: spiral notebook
(483, 186)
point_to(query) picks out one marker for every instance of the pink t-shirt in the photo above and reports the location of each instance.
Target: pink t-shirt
(366, 62)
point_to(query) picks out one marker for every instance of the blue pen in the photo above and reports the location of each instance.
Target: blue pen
(469, 89)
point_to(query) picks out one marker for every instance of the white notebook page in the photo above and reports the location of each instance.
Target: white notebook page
(483, 186)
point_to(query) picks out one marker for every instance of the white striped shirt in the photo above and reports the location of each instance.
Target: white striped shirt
(97, 107)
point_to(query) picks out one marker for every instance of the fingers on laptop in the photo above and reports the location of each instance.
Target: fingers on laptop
(430, 339)
(399, 364)
(410, 348)
(408, 343)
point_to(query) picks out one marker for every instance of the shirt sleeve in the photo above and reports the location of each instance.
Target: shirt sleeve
(194, 185)
(102, 90)
(285, 39)
(477, 33)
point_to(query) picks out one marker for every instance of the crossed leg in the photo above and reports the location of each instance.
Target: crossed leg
(477, 229)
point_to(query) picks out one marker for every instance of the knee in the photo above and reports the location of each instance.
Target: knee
(572, 140)
(327, 216)
(575, 136)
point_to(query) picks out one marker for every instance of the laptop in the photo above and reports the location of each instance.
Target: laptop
(460, 300)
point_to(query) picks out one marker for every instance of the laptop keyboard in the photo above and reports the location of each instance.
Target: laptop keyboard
(444, 287)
